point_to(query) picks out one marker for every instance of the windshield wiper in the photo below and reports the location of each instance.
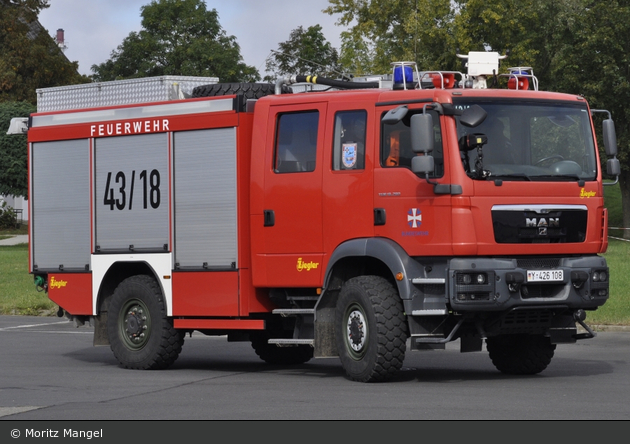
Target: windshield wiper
(514, 176)
(556, 176)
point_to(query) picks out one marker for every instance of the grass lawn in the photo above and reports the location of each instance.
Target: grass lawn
(616, 311)
(18, 295)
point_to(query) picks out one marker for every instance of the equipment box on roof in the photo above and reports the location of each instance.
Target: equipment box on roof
(119, 92)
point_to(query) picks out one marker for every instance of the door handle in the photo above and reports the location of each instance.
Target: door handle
(269, 218)
(380, 217)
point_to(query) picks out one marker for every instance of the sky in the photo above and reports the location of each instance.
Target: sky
(94, 28)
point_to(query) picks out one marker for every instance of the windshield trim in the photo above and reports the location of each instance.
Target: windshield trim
(516, 150)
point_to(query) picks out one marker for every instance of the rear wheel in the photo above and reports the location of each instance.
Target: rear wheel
(140, 334)
(371, 329)
(520, 354)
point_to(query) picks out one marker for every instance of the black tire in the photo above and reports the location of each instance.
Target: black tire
(247, 90)
(140, 334)
(520, 354)
(371, 329)
(279, 355)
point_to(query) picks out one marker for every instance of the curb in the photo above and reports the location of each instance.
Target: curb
(614, 328)
(15, 240)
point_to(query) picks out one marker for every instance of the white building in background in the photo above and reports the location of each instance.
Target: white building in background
(19, 204)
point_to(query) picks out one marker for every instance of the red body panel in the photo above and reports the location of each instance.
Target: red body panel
(205, 293)
(72, 291)
(219, 324)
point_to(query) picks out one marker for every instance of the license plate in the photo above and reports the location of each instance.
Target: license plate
(545, 276)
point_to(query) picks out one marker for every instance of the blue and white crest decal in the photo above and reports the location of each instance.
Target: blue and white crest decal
(414, 218)
(349, 155)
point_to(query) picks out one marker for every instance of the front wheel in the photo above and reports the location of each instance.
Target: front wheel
(520, 354)
(140, 334)
(371, 329)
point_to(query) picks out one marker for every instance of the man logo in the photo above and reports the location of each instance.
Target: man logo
(542, 222)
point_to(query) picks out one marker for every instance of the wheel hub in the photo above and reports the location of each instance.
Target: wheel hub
(134, 325)
(356, 330)
(134, 322)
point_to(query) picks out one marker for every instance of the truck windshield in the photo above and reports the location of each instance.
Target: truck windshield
(537, 141)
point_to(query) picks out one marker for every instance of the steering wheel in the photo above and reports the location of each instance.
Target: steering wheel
(544, 159)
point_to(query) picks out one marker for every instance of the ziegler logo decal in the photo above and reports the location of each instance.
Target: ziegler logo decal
(301, 266)
(56, 284)
(587, 194)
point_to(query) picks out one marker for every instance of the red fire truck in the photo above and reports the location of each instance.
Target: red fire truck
(360, 219)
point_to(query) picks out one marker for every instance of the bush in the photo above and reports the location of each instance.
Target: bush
(13, 150)
(7, 216)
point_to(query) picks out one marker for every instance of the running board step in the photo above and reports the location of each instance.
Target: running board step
(291, 341)
(294, 311)
(302, 298)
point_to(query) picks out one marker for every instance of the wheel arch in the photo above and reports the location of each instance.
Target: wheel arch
(105, 282)
(115, 274)
(375, 256)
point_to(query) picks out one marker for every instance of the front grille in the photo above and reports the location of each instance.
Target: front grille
(528, 225)
(539, 263)
(531, 291)
(525, 321)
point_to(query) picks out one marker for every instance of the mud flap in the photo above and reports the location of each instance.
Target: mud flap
(100, 330)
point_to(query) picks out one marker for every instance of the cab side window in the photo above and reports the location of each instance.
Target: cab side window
(349, 140)
(396, 144)
(296, 142)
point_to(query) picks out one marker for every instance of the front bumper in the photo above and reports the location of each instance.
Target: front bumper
(500, 284)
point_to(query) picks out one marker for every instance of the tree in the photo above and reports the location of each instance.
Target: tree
(531, 33)
(178, 37)
(595, 62)
(29, 57)
(306, 52)
(383, 31)
(431, 32)
(13, 157)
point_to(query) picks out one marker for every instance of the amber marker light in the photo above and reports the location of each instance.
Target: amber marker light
(400, 276)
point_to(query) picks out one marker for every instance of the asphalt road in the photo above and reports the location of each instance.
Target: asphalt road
(51, 371)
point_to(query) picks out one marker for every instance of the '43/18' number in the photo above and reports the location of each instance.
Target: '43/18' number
(117, 194)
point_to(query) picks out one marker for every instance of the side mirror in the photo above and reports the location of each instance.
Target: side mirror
(473, 116)
(422, 138)
(613, 168)
(393, 116)
(610, 137)
(423, 165)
